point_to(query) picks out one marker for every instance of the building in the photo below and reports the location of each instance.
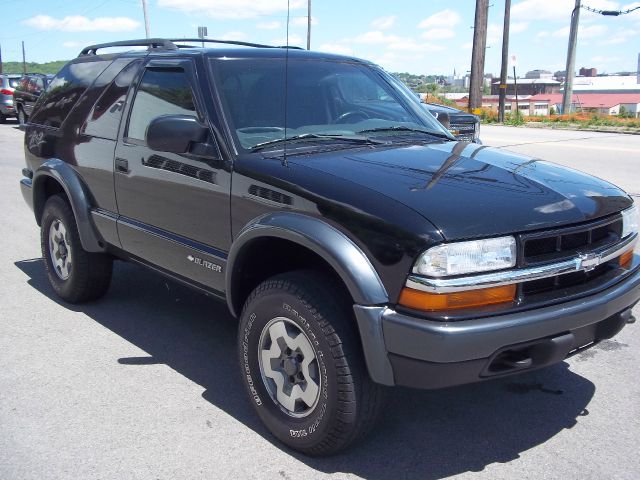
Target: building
(603, 103)
(606, 84)
(539, 74)
(527, 86)
(544, 104)
(588, 72)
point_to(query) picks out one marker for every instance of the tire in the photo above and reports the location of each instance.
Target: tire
(3, 118)
(22, 117)
(347, 401)
(74, 274)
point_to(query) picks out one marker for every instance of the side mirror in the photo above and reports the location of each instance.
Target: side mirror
(443, 118)
(178, 134)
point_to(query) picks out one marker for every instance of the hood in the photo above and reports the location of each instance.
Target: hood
(470, 191)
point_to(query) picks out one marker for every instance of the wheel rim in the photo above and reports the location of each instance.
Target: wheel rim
(59, 250)
(289, 367)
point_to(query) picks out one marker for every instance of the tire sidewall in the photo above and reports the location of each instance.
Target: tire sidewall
(54, 210)
(303, 432)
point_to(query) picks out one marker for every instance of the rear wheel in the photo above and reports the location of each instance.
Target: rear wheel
(75, 274)
(3, 118)
(302, 364)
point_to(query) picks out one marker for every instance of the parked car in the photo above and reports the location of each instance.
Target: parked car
(464, 126)
(8, 83)
(359, 244)
(27, 93)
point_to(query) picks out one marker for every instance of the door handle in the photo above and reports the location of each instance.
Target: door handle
(122, 165)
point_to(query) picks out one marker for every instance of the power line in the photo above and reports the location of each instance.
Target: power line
(611, 13)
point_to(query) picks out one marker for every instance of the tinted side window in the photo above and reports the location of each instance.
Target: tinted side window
(161, 92)
(104, 119)
(65, 90)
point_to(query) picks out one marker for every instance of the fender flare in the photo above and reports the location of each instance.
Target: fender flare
(77, 194)
(345, 257)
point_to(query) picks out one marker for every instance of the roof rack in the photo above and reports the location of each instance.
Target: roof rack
(227, 42)
(170, 44)
(162, 43)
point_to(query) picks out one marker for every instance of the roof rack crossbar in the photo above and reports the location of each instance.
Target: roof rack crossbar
(169, 44)
(227, 42)
(144, 42)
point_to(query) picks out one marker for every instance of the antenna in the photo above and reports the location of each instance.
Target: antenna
(286, 86)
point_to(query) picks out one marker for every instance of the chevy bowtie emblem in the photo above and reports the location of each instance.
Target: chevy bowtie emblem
(587, 261)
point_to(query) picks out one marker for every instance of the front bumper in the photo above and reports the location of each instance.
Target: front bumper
(26, 187)
(7, 109)
(415, 352)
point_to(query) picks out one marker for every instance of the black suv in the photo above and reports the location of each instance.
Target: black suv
(358, 243)
(464, 126)
(27, 92)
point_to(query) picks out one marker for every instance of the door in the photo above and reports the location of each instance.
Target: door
(174, 209)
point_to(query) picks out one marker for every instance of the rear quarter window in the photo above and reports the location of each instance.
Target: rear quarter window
(65, 90)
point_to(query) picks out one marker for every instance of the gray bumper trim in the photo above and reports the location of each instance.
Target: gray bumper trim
(472, 339)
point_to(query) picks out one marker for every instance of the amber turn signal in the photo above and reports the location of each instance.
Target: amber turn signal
(626, 258)
(431, 302)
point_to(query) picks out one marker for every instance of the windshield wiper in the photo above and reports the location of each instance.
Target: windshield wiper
(318, 136)
(400, 128)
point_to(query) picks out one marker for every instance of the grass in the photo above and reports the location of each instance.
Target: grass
(573, 120)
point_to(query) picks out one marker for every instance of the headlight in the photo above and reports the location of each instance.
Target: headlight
(630, 221)
(467, 257)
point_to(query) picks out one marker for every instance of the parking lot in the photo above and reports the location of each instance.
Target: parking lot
(144, 384)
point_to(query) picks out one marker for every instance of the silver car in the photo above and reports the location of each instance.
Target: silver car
(8, 83)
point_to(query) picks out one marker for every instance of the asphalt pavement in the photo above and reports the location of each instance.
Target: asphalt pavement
(144, 384)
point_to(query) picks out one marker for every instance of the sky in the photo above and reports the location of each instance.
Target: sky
(415, 36)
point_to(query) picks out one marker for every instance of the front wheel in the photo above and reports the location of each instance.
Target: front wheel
(75, 274)
(302, 364)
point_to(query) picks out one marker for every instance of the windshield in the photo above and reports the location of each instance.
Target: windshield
(326, 100)
(14, 81)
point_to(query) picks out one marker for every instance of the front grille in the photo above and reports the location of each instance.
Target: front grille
(463, 131)
(566, 244)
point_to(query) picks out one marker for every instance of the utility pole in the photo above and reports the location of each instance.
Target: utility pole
(505, 60)
(477, 56)
(571, 60)
(146, 18)
(24, 63)
(308, 24)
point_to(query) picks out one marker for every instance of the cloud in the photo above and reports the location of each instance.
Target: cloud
(302, 21)
(494, 33)
(336, 48)
(232, 9)
(444, 19)
(517, 27)
(234, 36)
(560, 10)
(620, 36)
(467, 46)
(294, 39)
(375, 37)
(408, 45)
(269, 25)
(78, 23)
(384, 23)
(73, 44)
(439, 33)
(585, 32)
